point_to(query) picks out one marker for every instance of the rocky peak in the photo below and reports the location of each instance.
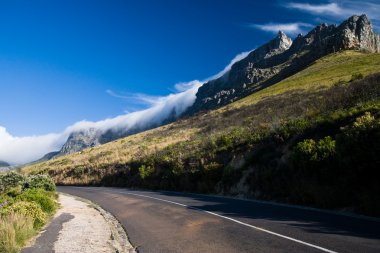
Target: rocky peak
(284, 42)
(282, 57)
(80, 140)
(357, 33)
(276, 46)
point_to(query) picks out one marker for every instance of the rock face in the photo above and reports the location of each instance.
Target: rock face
(280, 58)
(357, 33)
(91, 137)
(251, 69)
(80, 140)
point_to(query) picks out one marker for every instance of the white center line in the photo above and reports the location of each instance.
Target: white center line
(228, 218)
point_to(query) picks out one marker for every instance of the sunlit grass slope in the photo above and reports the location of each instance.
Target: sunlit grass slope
(339, 67)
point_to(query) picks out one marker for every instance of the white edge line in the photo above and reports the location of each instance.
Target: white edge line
(231, 219)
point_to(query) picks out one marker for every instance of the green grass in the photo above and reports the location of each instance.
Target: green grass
(324, 73)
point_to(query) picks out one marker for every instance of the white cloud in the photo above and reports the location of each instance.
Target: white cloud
(331, 8)
(19, 150)
(237, 58)
(135, 98)
(340, 9)
(289, 28)
(184, 86)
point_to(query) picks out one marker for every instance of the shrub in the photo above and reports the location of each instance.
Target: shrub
(145, 171)
(41, 197)
(29, 209)
(10, 180)
(356, 76)
(41, 181)
(310, 150)
(293, 127)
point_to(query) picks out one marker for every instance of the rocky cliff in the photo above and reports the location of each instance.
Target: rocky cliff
(282, 57)
(80, 140)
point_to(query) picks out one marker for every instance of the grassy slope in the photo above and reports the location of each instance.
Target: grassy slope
(322, 74)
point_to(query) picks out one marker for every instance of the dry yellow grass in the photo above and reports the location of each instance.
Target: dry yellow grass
(15, 229)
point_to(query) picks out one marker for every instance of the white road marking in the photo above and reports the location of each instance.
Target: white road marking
(228, 218)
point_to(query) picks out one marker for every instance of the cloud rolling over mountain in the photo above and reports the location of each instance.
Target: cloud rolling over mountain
(20, 150)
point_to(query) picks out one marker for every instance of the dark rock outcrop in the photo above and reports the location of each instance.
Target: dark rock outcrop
(80, 140)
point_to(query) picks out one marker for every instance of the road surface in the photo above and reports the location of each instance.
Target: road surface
(179, 222)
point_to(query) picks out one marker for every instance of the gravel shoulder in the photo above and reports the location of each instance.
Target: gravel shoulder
(81, 226)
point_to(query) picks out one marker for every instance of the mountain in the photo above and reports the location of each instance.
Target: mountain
(4, 164)
(265, 66)
(92, 137)
(80, 140)
(311, 139)
(280, 58)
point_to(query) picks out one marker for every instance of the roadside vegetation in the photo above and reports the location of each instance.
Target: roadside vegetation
(26, 204)
(312, 139)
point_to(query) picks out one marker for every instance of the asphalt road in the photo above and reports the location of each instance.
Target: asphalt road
(180, 222)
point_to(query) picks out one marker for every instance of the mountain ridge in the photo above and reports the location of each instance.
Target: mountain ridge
(262, 68)
(272, 62)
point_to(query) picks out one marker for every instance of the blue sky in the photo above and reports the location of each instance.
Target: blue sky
(66, 61)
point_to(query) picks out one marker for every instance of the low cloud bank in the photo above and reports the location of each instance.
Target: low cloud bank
(20, 150)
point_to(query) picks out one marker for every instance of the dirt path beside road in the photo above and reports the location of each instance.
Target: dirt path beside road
(80, 226)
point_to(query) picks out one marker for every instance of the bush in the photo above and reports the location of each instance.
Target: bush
(10, 180)
(41, 181)
(23, 211)
(29, 209)
(356, 76)
(309, 150)
(145, 171)
(293, 127)
(41, 197)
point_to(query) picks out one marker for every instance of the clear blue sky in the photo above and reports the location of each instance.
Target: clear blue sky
(58, 58)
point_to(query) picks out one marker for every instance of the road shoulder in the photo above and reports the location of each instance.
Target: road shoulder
(80, 226)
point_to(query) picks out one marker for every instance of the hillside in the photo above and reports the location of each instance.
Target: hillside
(268, 64)
(291, 142)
